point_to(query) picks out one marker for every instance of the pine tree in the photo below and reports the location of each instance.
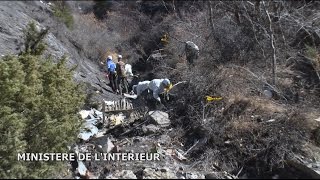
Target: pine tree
(39, 105)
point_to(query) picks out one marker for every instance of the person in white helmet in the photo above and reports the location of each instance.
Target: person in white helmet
(112, 74)
(121, 75)
(158, 86)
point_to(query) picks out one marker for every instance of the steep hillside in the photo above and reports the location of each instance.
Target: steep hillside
(260, 59)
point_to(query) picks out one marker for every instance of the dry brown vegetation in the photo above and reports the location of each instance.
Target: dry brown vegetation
(241, 44)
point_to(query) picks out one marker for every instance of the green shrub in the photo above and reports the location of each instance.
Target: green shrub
(64, 14)
(39, 105)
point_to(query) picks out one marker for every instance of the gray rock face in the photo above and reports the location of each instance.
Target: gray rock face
(14, 18)
(160, 118)
(124, 174)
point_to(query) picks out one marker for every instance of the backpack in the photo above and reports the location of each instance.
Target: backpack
(111, 67)
(121, 69)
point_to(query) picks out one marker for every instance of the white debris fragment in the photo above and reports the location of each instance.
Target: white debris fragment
(271, 120)
(89, 131)
(109, 103)
(180, 156)
(97, 113)
(134, 96)
(84, 114)
(318, 119)
(82, 168)
(110, 145)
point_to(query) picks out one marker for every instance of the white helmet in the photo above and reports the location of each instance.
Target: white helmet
(109, 57)
(120, 56)
(166, 82)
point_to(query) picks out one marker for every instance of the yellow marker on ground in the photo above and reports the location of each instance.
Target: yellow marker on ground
(210, 98)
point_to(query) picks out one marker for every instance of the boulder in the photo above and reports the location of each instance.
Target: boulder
(192, 52)
(160, 118)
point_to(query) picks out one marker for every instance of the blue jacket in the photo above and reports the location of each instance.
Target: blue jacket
(111, 66)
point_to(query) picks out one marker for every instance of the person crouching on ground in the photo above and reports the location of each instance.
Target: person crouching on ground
(157, 86)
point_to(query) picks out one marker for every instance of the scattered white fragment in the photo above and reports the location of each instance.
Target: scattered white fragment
(180, 156)
(271, 120)
(84, 114)
(134, 96)
(318, 119)
(41, 1)
(109, 103)
(97, 113)
(110, 145)
(82, 168)
(89, 131)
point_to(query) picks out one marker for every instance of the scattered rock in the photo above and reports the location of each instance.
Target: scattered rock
(124, 174)
(192, 52)
(164, 173)
(164, 139)
(150, 129)
(267, 93)
(160, 118)
(212, 176)
(194, 175)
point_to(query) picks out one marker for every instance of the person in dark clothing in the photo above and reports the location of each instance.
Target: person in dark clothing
(112, 74)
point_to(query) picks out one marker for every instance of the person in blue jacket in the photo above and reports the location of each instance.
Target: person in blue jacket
(112, 74)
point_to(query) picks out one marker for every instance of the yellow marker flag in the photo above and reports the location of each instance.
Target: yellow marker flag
(210, 98)
(168, 89)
